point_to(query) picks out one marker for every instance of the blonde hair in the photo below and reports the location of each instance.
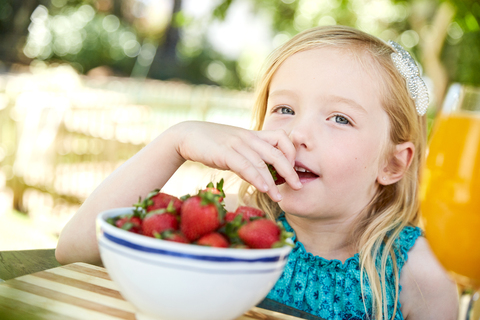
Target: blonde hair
(393, 206)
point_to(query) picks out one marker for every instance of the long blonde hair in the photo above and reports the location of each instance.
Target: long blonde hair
(393, 206)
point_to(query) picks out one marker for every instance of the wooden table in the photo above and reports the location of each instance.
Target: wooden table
(79, 291)
(18, 263)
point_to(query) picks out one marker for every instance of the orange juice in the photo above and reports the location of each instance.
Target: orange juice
(451, 194)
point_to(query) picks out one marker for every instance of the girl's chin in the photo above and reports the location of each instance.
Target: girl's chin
(296, 208)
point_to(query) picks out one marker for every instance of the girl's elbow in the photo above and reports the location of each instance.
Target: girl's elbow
(61, 254)
(66, 254)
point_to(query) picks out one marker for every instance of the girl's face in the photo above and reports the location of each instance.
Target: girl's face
(330, 107)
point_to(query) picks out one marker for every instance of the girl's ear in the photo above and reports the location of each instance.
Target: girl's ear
(398, 164)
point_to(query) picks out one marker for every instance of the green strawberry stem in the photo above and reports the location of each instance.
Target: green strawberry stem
(231, 230)
(127, 226)
(211, 198)
(273, 172)
(185, 197)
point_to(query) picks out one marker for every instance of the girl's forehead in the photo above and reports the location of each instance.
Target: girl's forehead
(355, 56)
(351, 66)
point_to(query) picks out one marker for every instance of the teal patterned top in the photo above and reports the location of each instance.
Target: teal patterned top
(331, 289)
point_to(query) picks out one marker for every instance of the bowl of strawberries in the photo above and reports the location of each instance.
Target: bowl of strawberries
(188, 258)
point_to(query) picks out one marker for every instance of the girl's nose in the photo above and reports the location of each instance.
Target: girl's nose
(300, 135)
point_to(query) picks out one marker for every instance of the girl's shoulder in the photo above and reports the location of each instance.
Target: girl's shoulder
(427, 291)
(404, 243)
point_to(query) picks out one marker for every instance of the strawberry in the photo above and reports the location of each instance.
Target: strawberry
(229, 216)
(260, 233)
(231, 227)
(202, 220)
(246, 212)
(216, 190)
(201, 214)
(213, 239)
(158, 223)
(159, 202)
(276, 177)
(249, 212)
(174, 236)
(130, 223)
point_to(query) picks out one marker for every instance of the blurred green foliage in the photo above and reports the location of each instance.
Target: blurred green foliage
(461, 52)
(124, 35)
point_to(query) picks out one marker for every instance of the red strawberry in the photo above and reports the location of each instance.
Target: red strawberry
(230, 216)
(161, 201)
(248, 212)
(276, 177)
(132, 224)
(260, 233)
(216, 190)
(175, 236)
(158, 223)
(213, 239)
(201, 214)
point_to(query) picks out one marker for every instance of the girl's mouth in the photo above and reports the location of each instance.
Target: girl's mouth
(305, 175)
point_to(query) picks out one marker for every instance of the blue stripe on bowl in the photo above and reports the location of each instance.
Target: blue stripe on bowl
(107, 246)
(138, 247)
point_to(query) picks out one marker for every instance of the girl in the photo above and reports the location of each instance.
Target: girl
(335, 118)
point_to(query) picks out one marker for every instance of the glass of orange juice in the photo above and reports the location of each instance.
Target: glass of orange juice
(451, 190)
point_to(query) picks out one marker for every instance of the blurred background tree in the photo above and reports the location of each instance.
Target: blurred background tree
(182, 39)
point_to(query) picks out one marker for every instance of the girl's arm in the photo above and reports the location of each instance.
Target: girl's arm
(427, 291)
(218, 146)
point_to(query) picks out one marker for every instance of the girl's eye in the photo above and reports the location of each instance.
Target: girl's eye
(284, 110)
(341, 119)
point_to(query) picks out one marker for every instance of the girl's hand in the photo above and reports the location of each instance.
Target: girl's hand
(242, 151)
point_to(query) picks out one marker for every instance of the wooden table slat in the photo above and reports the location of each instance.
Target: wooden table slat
(54, 308)
(76, 283)
(18, 263)
(11, 309)
(63, 297)
(79, 291)
(92, 270)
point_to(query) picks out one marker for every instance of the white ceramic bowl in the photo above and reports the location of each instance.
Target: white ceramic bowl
(175, 281)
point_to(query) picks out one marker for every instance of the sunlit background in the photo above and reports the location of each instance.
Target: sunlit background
(85, 84)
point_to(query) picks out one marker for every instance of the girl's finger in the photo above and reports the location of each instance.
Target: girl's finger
(258, 163)
(280, 152)
(245, 169)
(280, 140)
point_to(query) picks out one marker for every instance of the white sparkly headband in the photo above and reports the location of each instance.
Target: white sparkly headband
(407, 67)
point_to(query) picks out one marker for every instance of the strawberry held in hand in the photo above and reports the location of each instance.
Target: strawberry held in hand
(276, 177)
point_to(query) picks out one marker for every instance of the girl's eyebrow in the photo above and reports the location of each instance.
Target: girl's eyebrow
(350, 102)
(282, 92)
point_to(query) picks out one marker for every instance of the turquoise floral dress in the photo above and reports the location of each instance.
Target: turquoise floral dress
(331, 289)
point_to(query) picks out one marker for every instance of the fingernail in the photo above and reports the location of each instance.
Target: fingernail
(279, 196)
(265, 187)
(299, 185)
